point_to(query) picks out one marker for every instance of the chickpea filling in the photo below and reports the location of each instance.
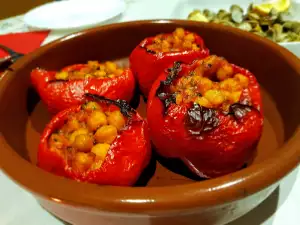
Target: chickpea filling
(213, 84)
(179, 40)
(93, 69)
(86, 136)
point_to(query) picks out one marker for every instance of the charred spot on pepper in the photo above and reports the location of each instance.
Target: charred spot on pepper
(239, 110)
(172, 74)
(166, 97)
(200, 119)
(124, 106)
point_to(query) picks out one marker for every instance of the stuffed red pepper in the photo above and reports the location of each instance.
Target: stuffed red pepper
(208, 114)
(102, 141)
(60, 90)
(154, 54)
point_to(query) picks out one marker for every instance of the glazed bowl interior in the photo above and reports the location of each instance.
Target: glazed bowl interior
(23, 118)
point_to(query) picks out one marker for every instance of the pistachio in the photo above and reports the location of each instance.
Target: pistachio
(273, 25)
(245, 26)
(236, 13)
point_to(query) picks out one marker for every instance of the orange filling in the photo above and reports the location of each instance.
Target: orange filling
(86, 136)
(179, 40)
(93, 69)
(213, 84)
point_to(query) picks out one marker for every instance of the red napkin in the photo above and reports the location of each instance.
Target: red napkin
(23, 42)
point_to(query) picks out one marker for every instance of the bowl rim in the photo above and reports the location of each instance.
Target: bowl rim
(142, 200)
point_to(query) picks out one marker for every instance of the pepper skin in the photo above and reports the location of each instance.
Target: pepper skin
(209, 141)
(127, 157)
(60, 94)
(147, 65)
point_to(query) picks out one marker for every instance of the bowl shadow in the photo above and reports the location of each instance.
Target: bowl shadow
(147, 173)
(176, 166)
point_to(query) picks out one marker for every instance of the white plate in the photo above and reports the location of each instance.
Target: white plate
(70, 14)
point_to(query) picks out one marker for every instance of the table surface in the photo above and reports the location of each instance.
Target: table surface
(18, 207)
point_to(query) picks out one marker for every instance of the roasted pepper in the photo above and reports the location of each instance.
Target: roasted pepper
(154, 54)
(60, 90)
(102, 141)
(208, 114)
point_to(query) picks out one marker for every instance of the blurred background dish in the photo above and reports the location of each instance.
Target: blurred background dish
(73, 13)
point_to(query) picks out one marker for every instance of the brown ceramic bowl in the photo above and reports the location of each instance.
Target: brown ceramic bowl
(168, 197)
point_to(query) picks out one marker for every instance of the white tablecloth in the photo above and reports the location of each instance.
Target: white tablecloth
(18, 207)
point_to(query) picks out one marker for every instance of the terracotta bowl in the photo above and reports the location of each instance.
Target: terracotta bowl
(162, 196)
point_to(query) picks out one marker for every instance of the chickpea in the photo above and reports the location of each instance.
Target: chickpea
(72, 125)
(190, 37)
(188, 92)
(77, 132)
(179, 99)
(119, 72)
(195, 47)
(56, 141)
(102, 67)
(91, 106)
(82, 161)
(199, 71)
(214, 96)
(93, 64)
(100, 150)
(204, 85)
(165, 44)
(100, 73)
(88, 76)
(226, 94)
(76, 76)
(177, 42)
(96, 165)
(225, 107)
(230, 84)
(179, 32)
(106, 134)
(110, 67)
(111, 75)
(157, 40)
(85, 70)
(170, 39)
(235, 96)
(187, 44)
(210, 64)
(63, 75)
(225, 72)
(96, 119)
(203, 102)
(116, 119)
(83, 143)
(242, 79)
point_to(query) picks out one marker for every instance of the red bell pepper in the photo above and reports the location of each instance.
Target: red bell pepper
(128, 155)
(210, 141)
(61, 94)
(147, 64)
